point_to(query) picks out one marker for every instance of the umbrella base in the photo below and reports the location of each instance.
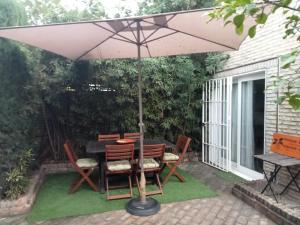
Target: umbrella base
(138, 208)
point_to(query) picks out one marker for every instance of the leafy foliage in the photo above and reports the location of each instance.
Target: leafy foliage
(101, 97)
(161, 6)
(12, 13)
(17, 113)
(235, 11)
(17, 179)
(45, 11)
(290, 95)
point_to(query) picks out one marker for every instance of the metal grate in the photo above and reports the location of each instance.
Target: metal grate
(216, 118)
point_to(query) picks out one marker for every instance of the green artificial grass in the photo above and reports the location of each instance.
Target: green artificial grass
(53, 201)
(229, 177)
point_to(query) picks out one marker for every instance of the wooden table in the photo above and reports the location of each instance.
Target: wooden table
(279, 161)
(98, 148)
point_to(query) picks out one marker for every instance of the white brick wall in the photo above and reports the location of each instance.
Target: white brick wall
(268, 43)
(261, 53)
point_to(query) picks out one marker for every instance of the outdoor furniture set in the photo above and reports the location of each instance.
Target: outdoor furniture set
(285, 153)
(118, 156)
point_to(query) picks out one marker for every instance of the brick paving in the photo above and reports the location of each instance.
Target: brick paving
(223, 209)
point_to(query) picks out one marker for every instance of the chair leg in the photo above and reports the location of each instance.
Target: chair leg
(160, 189)
(74, 184)
(158, 182)
(165, 180)
(86, 176)
(162, 169)
(79, 183)
(153, 178)
(172, 172)
(119, 196)
(107, 189)
(92, 185)
(130, 185)
(179, 176)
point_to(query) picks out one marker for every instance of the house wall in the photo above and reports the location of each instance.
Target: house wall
(261, 53)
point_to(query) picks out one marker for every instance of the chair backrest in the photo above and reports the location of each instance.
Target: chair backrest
(182, 145)
(69, 151)
(135, 136)
(154, 151)
(119, 152)
(286, 144)
(108, 137)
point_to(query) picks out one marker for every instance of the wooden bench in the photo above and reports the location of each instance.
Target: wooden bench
(286, 153)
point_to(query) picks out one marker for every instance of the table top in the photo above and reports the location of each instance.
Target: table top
(99, 147)
(278, 159)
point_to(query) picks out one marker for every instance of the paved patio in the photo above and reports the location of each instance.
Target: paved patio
(223, 209)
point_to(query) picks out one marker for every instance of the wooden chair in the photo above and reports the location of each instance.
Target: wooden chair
(84, 167)
(108, 137)
(173, 160)
(135, 136)
(153, 156)
(118, 160)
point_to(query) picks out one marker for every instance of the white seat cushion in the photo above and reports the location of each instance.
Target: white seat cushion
(150, 163)
(170, 157)
(86, 162)
(118, 165)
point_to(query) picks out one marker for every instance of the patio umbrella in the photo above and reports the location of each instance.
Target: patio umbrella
(174, 33)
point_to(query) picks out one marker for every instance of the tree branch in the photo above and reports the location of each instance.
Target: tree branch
(280, 5)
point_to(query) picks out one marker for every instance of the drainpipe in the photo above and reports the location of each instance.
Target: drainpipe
(276, 180)
(277, 95)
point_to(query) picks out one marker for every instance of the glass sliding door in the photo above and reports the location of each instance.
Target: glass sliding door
(247, 125)
(234, 124)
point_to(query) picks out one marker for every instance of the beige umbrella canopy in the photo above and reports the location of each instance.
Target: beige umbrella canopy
(175, 33)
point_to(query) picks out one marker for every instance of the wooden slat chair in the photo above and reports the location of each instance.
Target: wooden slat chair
(118, 160)
(108, 137)
(84, 167)
(135, 136)
(153, 156)
(173, 160)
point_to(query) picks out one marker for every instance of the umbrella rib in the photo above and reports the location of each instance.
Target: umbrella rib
(117, 32)
(119, 39)
(192, 35)
(144, 45)
(147, 47)
(157, 29)
(131, 30)
(114, 33)
(154, 39)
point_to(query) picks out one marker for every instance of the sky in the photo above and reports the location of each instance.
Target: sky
(111, 6)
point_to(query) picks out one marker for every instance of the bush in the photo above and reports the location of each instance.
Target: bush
(17, 179)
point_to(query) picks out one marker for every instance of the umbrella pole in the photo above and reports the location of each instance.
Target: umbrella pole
(141, 206)
(141, 124)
